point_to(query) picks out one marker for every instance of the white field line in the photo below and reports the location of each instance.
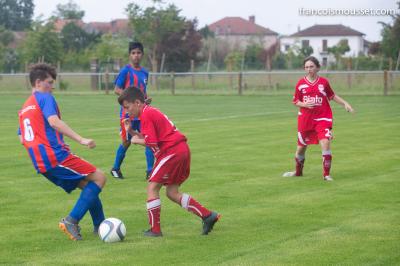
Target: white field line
(217, 118)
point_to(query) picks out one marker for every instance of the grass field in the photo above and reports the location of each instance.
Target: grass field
(240, 148)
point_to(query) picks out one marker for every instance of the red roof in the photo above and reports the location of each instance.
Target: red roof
(239, 26)
(328, 30)
(59, 24)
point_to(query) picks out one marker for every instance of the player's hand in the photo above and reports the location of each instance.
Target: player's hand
(88, 142)
(127, 124)
(135, 139)
(148, 101)
(348, 108)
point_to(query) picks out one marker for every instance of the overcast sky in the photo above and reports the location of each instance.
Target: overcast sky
(281, 16)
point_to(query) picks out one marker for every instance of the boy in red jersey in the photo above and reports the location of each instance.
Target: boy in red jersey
(312, 96)
(41, 132)
(172, 166)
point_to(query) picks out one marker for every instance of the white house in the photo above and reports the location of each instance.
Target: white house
(320, 37)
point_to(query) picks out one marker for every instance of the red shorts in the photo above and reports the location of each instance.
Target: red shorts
(70, 172)
(173, 167)
(320, 131)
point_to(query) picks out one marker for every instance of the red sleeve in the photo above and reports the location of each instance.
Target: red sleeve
(296, 96)
(148, 130)
(329, 92)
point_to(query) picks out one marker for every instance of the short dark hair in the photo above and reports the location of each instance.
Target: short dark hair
(135, 45)
(130, 95)
(41, 71)
(312, 59)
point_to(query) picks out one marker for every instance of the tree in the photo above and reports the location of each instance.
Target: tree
(110, 48)
(306, 51)
(69, 11)
(16, 15)
(339, 49)
(390, 33)
(75, 39)
(181, 47)
(43, 44)
(7, 55)
(161, 30)
(255, 56)
(206, 32)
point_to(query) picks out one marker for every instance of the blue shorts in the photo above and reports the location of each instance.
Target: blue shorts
(69, 173)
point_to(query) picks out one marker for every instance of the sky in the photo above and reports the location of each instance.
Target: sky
(282, 16)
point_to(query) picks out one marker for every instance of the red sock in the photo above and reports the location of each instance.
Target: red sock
(299, 166)
(326, 162)
(154, 210)
(190, 204)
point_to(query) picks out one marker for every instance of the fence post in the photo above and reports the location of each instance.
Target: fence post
(28, 83)
(349, 74)
(58, 80)
(107, 80)
(94, 79)
(193, 77)
(240, 77)
(385, 82)
(172, 75)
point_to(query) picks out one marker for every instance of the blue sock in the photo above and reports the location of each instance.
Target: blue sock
(119, 157)
(96, 211)
(149, 159)
(86, 200)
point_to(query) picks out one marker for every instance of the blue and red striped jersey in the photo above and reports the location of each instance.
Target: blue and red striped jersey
(130, 76)
(44, 144)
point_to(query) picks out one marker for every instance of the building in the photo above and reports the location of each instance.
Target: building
(239, 32)
(114, 27)
(321, 37)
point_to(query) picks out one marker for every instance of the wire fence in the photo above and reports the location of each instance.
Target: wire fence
(218, 83)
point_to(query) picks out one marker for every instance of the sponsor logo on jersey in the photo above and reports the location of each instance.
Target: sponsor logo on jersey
(26, 109)
(303, 88)
(310, 99)
(322, 89)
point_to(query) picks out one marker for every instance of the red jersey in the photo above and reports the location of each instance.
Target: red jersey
(318, 92)
(160, 134)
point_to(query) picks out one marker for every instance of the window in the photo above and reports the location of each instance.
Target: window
(305, 43)
(324, 61)
(287, 47)
(325, 45)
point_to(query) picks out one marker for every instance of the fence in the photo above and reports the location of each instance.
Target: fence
(223, 83)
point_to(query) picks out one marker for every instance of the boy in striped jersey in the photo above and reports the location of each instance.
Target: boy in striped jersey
(41, 132)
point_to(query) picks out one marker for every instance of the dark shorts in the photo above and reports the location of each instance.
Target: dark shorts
(70, 172)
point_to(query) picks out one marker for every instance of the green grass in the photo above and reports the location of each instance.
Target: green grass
(240, 148)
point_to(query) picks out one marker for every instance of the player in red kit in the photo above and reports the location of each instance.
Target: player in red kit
(42, 133)
(172, 166)
(312, 96)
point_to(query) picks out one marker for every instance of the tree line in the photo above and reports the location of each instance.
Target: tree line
(172, 43)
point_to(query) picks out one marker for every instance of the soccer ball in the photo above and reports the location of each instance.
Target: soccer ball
(112, 230)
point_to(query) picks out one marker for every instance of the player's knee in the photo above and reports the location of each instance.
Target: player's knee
(99, 178)
(126, 143)
(173, 195)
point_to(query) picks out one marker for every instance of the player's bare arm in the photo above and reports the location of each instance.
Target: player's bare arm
(118, 90)
(342, 102)
(138, 140)
(59, 125)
